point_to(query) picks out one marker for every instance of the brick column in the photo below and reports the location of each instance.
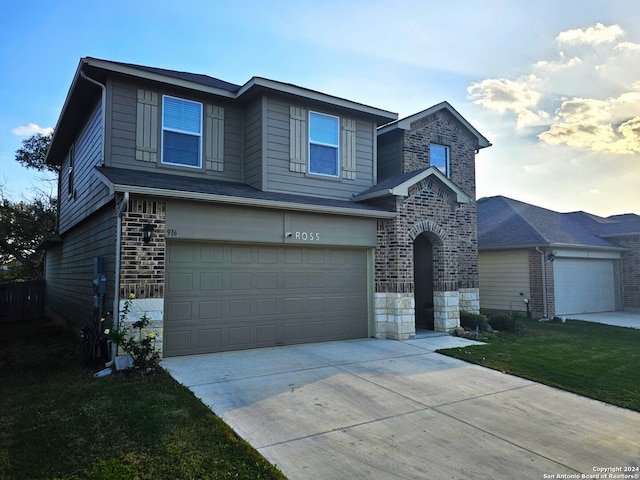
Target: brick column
(142, 264)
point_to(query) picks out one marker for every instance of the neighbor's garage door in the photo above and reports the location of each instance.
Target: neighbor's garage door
(227, 297)
(584, 285)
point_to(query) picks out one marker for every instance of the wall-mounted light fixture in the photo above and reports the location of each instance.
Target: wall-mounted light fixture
(551, 257)
(147, 231)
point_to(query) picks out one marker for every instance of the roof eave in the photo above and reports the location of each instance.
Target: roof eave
(243, 201)
(382, 116)
(156, 77)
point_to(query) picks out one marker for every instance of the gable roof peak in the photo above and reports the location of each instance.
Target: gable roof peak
(405, 123)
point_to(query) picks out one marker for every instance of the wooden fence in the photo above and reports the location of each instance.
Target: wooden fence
(21, 300)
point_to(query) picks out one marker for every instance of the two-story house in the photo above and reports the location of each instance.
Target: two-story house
(262, 214)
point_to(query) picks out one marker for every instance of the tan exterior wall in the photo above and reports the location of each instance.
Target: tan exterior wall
(504, 280)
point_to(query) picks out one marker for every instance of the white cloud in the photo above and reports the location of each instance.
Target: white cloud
(31, 129)
(502, 95)
(557, 65)
(597, 34)
(599, 107)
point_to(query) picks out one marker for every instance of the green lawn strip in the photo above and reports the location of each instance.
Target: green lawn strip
(59, 422)
(594, 360)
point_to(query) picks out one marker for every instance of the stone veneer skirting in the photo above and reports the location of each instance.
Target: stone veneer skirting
(470, 299)
(395, 312)
(395, 316)
(153, 308)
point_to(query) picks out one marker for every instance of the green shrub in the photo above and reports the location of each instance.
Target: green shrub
(471, 320)
(504, 322)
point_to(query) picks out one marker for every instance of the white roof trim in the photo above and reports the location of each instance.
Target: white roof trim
(402, 190)
(405, 123)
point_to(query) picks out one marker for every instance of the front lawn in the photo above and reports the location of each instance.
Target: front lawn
(59, 422)
(591, 359)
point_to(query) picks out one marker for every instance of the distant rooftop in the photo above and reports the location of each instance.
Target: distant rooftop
(504, 222)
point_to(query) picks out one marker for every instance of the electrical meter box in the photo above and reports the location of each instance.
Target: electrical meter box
(100, 284)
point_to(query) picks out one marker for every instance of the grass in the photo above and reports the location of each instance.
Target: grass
(59, 422)
(590, 359)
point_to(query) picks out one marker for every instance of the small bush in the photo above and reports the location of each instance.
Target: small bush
(504, 322)
(471, 320)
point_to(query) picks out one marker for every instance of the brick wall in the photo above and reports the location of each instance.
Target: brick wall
(630, 271)
(431, 209)
(142, 265)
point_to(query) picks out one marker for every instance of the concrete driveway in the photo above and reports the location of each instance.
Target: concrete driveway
(385, 409)
(627, 318)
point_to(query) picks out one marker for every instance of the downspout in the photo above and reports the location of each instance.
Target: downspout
(544, 281)
(116, 297)
(103, 111)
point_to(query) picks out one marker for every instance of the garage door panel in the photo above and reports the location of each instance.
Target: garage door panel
(211, 281)
(208, 338)
(584, 285)
(240, 336)
(239, 308)
(256, 296)
(267, 281)
(212, 254)
(210, 310)
(179, 311)
(180, 282)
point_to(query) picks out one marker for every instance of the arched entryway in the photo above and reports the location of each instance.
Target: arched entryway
(423, 281)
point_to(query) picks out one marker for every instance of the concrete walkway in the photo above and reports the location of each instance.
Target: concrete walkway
(627, 318)
(384, 409)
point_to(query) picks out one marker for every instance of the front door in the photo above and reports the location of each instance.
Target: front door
(423, 281)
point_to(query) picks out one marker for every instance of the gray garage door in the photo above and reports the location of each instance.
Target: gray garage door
(222, 297)
(584, 285)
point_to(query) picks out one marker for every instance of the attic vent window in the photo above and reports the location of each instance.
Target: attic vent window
(324, 134)
(181, 132)
(439, 158)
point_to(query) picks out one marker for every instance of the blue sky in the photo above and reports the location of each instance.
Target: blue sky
(555, 86)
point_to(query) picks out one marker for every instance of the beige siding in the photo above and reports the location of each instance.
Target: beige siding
(70, 269)
(504, 276)
(88, 192)
(281, 178)
(253, 146)
(132, 148)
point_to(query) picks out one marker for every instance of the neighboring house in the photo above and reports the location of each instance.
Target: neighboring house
(262, 214)
(563, 263)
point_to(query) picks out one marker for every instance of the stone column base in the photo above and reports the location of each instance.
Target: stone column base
(446, 311)
(395, 316)
(470, 300)
(153, 309)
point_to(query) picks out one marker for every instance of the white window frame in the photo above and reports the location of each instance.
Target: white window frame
(447, 159)
(184, 132)
(336, 146)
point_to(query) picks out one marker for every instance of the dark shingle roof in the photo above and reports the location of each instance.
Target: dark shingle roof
(191, 77)
(504, 222)
(180, 183)
(391, 183)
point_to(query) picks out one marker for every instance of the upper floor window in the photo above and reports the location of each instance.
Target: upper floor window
(324, 134)
(181, 132)
(439, 158)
